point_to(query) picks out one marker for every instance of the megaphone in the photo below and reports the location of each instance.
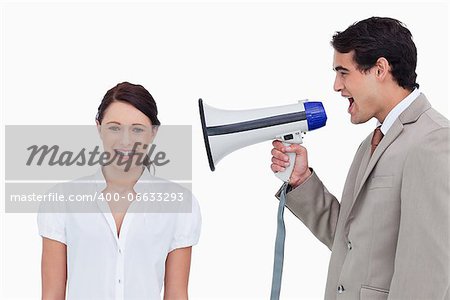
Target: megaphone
(225, 131)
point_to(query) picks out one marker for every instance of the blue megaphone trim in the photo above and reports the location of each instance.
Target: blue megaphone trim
(315, 115)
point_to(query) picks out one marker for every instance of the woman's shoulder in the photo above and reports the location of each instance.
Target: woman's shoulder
(77, 195)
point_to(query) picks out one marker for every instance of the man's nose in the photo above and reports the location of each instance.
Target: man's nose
(338, 86)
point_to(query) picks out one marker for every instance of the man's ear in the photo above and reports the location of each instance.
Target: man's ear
(382, 68)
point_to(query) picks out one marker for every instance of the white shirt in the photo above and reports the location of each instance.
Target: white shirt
(102, 265)
(397, 110)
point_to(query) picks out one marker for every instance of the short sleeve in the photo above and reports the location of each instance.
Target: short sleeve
(52, 226)
(188, 227)
(51, 220)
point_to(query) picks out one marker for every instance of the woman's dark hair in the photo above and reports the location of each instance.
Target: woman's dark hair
(381, 37)
(133, 94)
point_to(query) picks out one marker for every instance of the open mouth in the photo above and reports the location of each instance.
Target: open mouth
(351, 104)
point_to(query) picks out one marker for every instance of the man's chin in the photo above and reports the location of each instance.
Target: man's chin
(356, 121)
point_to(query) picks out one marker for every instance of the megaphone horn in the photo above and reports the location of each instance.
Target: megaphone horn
(225, 131)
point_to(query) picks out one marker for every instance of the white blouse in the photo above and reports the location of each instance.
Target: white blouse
(102, 265)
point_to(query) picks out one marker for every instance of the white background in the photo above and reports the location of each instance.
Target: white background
(58, 60)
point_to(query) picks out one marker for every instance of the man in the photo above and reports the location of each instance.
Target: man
(389, 234)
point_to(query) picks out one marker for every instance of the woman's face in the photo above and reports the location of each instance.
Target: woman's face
(126, 134)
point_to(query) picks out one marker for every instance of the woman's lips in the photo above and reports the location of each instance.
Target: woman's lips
(124, 154)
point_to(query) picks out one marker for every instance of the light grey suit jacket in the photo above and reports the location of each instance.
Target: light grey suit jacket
(389, 235)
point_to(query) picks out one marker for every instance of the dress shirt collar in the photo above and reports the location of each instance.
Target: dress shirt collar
(144, 179)
(397, 110)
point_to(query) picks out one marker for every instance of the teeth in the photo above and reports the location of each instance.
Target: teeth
(124, 152)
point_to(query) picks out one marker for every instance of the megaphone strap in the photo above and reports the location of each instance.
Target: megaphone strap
(279, 246)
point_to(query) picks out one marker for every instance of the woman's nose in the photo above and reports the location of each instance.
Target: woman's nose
(125, 138)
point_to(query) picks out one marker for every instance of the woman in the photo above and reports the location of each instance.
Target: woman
(125, 250)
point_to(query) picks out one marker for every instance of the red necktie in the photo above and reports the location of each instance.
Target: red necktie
(376, 138)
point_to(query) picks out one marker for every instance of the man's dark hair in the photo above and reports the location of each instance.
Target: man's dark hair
(381, 37)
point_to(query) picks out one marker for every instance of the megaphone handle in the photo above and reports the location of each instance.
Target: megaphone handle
(286, 174)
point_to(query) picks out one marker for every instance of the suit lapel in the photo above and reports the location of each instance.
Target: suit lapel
(363, 165)
(392, 134)
(409, 115)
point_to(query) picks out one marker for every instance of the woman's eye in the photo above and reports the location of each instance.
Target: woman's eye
(114, 128)
(137, 130)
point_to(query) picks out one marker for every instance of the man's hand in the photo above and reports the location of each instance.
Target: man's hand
(280, 160)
